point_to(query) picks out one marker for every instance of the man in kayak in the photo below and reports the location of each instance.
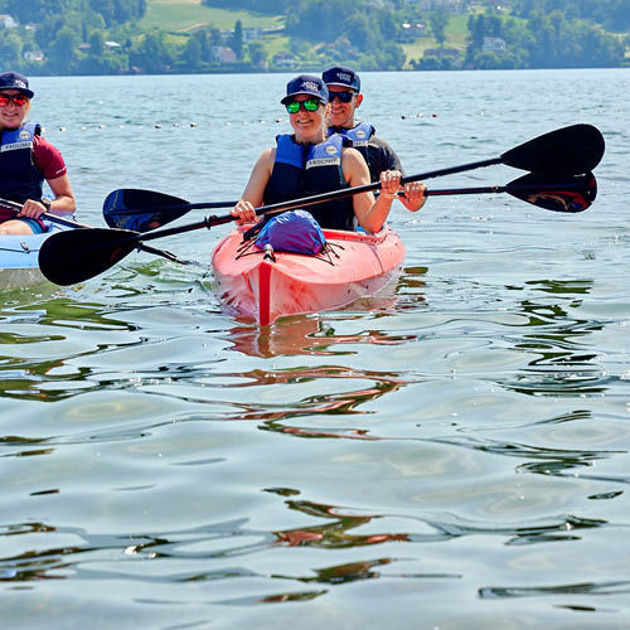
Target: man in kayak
(26, 161)
(344, 87)
(309, 162)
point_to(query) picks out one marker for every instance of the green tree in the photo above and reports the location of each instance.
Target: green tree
(360, 31)
(439, 21)
(193, 53)
(10, 48)
(236, 41)
(152, 54)
(257, 54)
(215, 37)
(97, 43)
(64, 50)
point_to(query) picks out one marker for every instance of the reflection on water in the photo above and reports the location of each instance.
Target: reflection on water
(316, 334)
(538, 460)
(564, 363)
(606, 588)
(304, 335)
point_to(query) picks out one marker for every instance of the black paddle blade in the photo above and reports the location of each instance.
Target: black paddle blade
(572, 150)
(569, 194)
(139, 210)
(74, 256)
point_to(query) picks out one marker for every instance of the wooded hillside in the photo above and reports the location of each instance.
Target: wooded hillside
(125, 36)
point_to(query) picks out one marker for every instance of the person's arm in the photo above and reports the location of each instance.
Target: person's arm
(387, 160)
(371, 214)
(49, 161)
(252, 196)
(64, 201)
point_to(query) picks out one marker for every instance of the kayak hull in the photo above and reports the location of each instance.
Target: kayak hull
(19, 268)
(264, 288)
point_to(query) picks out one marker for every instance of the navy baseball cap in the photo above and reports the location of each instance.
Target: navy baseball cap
(342, 76)
(15, 81)
(306, 84)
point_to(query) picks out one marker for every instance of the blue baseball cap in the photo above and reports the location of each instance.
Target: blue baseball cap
(15, 81)
(342, 76)
(306, 84)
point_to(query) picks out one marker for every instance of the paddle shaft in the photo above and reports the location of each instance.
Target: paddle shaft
(502, 189)
(209, 222)
(310, 201)
(355, 190)
(327, 196)
(53, 218)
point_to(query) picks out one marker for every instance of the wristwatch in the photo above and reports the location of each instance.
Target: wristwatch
(46, 203)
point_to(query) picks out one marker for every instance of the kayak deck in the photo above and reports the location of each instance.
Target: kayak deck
(19, 267)
(263, 288)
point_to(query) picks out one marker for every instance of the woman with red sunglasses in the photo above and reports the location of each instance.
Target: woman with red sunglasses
(26, 161)
(309, 162)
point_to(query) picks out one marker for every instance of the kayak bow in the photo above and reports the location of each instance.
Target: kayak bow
(19, 268)
(264, 286)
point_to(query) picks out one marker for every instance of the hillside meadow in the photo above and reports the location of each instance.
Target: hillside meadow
(185, 15)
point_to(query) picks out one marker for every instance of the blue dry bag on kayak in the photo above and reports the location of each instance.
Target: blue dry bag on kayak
(295, 231)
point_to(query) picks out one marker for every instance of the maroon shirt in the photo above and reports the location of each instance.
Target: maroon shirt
(48, 158)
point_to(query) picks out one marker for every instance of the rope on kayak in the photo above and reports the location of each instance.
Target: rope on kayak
(14, 250)
(246, 248)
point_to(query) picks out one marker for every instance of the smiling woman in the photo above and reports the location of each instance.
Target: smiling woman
(308, 161)
(26, 161)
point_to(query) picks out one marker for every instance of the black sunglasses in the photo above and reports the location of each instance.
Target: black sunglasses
(344, 97)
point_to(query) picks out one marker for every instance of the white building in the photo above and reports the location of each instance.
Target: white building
(6, 21)
(494, 44)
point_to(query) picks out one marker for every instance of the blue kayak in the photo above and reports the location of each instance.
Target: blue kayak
(18, 260)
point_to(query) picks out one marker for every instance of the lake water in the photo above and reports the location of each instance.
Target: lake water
(453, 455)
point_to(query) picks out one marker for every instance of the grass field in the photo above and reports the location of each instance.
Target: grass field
(183, 15)
(456, 33)
(180, 16)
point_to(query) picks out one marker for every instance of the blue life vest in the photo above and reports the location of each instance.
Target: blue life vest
(20, 179)
(360, 136)
(304, 170)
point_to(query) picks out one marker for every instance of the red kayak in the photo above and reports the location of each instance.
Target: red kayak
(266, 285)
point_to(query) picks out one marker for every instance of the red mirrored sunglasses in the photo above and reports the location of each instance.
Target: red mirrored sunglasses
(19, 99)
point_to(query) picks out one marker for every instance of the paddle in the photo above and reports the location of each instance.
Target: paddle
(570, 150)
(144, 210)
(70, 257)
(70, 223)
(575, 195)
(15, 207)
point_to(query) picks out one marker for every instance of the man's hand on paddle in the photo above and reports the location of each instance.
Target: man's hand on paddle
(413, 197)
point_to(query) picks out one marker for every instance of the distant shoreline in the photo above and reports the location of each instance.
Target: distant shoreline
(316, 70)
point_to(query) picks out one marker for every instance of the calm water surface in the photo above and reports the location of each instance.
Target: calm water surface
(451, 455)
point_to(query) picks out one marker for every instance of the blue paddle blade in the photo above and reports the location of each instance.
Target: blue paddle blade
(141, 210)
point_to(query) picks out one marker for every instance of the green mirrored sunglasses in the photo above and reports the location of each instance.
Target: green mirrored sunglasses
(309, 105)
